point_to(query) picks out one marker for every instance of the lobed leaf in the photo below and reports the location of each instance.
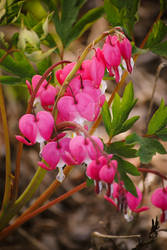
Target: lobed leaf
(121, 108)
(148, 147)
(122, 13)
(18, 64)
(106, 116)
(85, 22)
(122, 149)
(158, 33)
(130, 187)
(158, 120)
(162, 134)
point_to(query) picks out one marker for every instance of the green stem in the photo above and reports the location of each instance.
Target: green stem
(46, 194)
(8, 183)
(21, 201)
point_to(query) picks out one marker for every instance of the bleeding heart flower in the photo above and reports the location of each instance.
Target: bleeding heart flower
(126, 202)
(36, 128)
(159, 199)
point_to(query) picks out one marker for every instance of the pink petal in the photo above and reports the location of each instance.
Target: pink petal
(51, 154)
(35, 81)
(86, 106)
(45, 123)
(67, 108)
(28, 127)
(78, 149)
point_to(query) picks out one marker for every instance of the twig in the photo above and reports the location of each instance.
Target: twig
(106, 236)
(36, 243)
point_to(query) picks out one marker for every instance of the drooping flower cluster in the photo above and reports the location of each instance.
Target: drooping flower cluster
(46, 93)
(102, 169)
(81, 102)
(125, 202)
(70, 151)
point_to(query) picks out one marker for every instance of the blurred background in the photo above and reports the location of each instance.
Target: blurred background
(70, 224)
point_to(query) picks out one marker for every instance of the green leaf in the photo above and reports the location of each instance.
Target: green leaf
(10, 11)
(122, 13)
(160, 49)
(122, 149)
(41, 28)
(130, 187)
(69, 13)
(10, 80)
(163, 5)
(129, 123)
(89, 182)
(121, 109)
(158, 120)
(148, 147)
(126, 166)
(162, 134)
(106, 117)
(159, 32)
(18, 64)
(128, 101)
(43, 65)
(84, 23)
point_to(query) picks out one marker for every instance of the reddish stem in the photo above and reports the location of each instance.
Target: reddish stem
(146, 170)
(22, 220)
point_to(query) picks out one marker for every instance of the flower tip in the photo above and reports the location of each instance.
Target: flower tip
(23, 140)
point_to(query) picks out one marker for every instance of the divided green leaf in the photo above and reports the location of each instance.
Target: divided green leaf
(121, 108)
(84, 23)
(122, 13)
(158, 120)
(162, 134)
(130, 187)
(122, 149)
(106, 116)
(148, 147)
(10, 11)
(126, 166)
(159, 31)
(67, 25)
(18, 65)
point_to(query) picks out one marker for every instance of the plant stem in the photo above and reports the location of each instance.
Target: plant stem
(46, 194)
(152, 171)
(22, 220)
(26, 196)
(8, 181)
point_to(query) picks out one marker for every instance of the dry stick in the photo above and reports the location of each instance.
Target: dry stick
(106, 236)
(29, 109)
(121, 83)
(15, 225)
